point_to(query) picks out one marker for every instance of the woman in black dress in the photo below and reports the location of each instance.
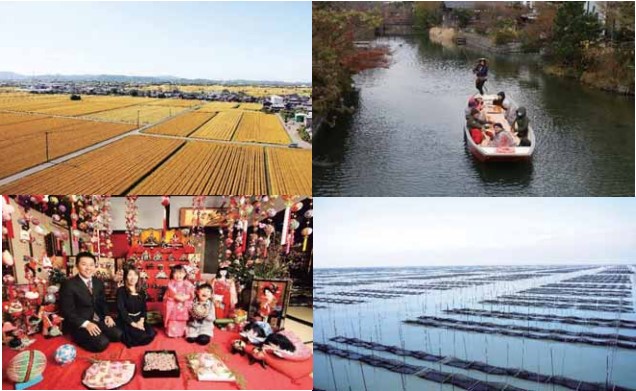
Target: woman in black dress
(131, 304)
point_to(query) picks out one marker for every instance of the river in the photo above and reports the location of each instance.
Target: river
(406, 137)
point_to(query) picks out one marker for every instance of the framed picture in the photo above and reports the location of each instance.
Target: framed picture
(210, 217)
(269, 300)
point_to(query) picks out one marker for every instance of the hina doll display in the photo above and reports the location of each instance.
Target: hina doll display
(225, 297)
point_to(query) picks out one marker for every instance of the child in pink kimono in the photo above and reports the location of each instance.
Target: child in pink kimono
(178, 300)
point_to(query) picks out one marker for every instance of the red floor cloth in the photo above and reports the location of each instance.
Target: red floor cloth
(70, 375)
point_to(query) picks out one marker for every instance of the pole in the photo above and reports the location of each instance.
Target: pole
(46, 134)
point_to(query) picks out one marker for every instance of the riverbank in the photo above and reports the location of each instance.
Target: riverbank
(599, 80)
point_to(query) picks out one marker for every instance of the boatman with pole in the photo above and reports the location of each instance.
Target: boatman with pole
(481, 72)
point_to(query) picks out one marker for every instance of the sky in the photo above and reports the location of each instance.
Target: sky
(214, 40)
(385, 232)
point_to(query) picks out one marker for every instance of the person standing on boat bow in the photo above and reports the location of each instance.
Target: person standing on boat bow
(481, 72)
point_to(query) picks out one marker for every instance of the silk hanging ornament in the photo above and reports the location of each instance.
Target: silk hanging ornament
(306, 232)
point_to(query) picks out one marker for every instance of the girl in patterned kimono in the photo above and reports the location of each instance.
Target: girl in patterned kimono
(201, 324)
(225, 298)
(178, 301)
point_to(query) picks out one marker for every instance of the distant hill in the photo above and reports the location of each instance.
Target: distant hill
(12, 76)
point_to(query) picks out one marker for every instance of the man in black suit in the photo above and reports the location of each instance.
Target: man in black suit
(83, 306)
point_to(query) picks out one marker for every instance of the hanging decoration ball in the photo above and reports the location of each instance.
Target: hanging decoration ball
(269, 229)
(65, 354)
(307, 231)
(271, 212)
(297, 206)
(265, 198)
(309, 214)
(165, 200)
(7, 211)
(90, 209)
(26, 365)
(294, 224)
(7, 258)
(62, 208)
(56, 217)
(53, 200)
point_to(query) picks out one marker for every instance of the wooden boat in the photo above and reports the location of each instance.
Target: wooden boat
(486, 153)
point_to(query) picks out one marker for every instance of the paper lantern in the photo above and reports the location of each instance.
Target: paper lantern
(65, 354)
(26, 365)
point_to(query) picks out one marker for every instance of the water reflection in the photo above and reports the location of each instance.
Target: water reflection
(406, 136)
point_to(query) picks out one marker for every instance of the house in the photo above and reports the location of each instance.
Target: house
(277, 102)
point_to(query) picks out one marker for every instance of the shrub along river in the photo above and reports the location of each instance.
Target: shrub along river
(406, 136)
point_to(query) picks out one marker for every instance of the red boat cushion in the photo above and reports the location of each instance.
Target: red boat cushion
(477, 135)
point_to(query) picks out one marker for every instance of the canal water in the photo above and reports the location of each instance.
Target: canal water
(406, 137)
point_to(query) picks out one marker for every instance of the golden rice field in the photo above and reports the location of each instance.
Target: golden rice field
(221, 127)
(218, 106)
(262, 128)
(251, 106)
(288, 170)
(209, 168)
(66, 135)
(147, 114)
(108, 170)
(181, 125)
(257, 91)
(7, 119)
(63, 105)
(176, 102)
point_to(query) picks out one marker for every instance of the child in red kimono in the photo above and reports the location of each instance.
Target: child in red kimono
(177, 302)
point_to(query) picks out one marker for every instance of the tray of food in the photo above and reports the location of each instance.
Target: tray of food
(108, 375)
(160, 363)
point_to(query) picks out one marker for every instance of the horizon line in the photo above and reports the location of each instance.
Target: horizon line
(154, 76)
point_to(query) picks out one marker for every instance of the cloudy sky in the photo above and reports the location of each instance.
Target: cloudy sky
(352, 232)
(215, 40)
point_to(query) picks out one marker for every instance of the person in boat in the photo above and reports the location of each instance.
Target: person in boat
(477, 127)
(521, 124)
(471, 105)
(481, 73)
(506, 105)
(501, 137)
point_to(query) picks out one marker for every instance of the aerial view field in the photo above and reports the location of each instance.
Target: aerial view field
(193, 114)
(220, 167)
